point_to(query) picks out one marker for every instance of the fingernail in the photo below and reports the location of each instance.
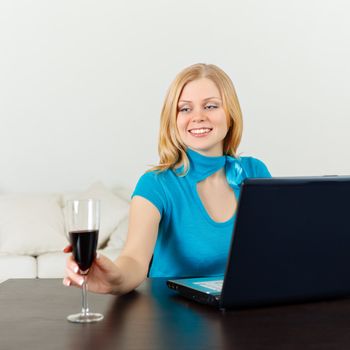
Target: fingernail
(76, 269)
(98, 255)
(66, 282)
(81, 281)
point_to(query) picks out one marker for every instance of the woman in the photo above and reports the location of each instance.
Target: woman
(183, 210)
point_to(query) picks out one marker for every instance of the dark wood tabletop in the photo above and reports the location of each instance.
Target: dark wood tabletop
(33, 316)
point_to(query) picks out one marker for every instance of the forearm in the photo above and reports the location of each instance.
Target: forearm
(132, 274)
(133, 262)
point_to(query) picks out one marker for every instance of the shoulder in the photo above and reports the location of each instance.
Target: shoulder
(254, 167)
(155, 177)
(152, 185)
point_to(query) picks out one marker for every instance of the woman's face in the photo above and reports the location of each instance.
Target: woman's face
(201, 120)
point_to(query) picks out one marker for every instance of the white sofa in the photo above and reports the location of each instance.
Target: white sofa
(33, 230)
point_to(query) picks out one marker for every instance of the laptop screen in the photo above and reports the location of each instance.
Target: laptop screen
(291, 241)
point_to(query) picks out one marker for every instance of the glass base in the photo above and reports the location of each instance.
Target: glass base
(85, 318)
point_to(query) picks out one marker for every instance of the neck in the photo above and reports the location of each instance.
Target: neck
(218, 176)
(203, 166)
(217, 152)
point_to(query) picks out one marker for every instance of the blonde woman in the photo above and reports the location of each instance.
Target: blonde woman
(182, 211)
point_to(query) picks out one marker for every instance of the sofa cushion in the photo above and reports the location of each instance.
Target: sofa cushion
(17, 266)
(113, 208)
(51, 265)
(31, 224)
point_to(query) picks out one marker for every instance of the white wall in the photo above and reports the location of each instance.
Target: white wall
(82, 83)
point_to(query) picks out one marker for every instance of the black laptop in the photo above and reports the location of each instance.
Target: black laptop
(291, 243)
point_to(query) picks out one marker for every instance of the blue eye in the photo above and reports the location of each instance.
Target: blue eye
(210, 107)
(184, 109)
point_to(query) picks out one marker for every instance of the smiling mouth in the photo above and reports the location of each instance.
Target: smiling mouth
(200, 131)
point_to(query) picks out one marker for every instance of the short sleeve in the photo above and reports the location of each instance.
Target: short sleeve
(260, 169)
(150, 188)
(255, 167)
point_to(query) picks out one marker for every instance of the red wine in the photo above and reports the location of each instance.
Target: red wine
(84, 245)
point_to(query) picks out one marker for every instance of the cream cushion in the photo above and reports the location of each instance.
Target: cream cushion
(32, 230)
(17, 266)
(31, 224)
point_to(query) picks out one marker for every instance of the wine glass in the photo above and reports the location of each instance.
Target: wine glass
(83, 221)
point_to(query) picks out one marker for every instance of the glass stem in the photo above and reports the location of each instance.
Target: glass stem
(85, 308)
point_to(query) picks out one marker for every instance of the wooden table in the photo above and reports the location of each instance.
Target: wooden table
(33, 316)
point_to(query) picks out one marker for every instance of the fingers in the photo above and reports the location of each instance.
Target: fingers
(67, 282)
(72, 265)
(72, 276)
(67, 249)
(102, 268)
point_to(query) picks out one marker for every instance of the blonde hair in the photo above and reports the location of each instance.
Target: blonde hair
(172, 151)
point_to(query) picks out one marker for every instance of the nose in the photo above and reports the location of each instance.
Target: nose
(198, 116)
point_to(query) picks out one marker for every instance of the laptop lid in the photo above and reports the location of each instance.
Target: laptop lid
(291, 242)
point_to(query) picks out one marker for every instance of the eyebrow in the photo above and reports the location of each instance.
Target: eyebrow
(206, 99)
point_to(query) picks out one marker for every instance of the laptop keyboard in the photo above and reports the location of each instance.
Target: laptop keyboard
(213, 285)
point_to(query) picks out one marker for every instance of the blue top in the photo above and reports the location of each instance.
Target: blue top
(190, 243)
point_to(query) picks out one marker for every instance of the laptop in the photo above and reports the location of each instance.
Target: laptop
(291, 243)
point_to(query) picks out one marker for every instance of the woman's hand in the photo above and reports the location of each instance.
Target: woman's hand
(103, 277)
(131, 267)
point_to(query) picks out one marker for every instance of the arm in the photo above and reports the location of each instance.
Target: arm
(142, 235)
(131, 267)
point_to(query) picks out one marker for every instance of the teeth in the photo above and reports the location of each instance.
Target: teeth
(199, 131)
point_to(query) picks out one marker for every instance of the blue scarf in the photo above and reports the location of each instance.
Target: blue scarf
(202, 167)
